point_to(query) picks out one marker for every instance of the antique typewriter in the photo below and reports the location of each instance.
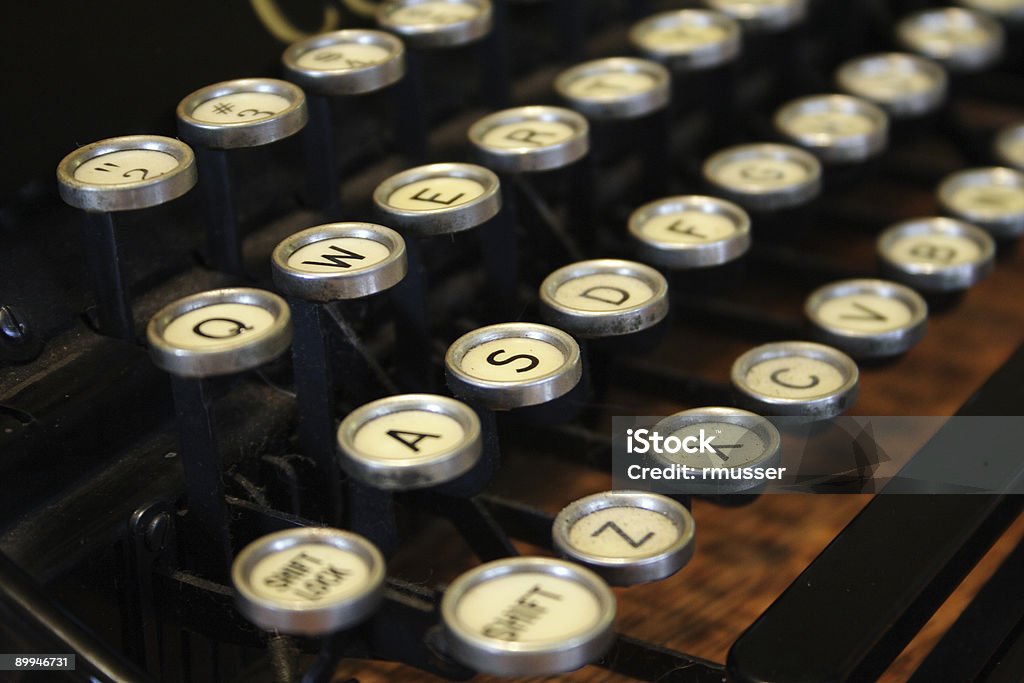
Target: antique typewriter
(313, 356)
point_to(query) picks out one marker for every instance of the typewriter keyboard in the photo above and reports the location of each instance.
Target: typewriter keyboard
(309, 359)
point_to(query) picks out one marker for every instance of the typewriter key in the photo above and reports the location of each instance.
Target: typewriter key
(322, 264)
(436, 23)
(991, 198)
(120, 174)
(1009, 146)
(936, 254)
(248, 112)
(339, 261)
(690, 231)
(309, 581)
(906, 86)
(532, 138)
(604, 298)
(765, 176)
(741, 439)
(439, 199)
(528, 616)
(867, 318)
(220, 332)
(960, 39)
(349, 62)
(339, 63)
(687, 40)
(615, 88)
(513, 365)
(626, 537)
(766, 16)
(796, 378)
(837, 128)
(410, 441)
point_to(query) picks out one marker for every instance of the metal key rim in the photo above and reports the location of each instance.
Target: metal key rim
(863, 343)
(933, 277)
(127, 196)
(504, 658)
(910, 104)
(446, 220)
(1001, 227)
(1006, 139)
(324, 287)
(438, 35)
(758, 17)
(634, 105)
(411, 472)
(622, 321)
(959, 58)
(767, 199)
(836, 148)
(229, 135)
(182, 362)
(703, 57)
(821, 407)
(685, 255)
(526, 159)
(505, 395)
(313, 620)
(633, 570)
(347, 81)
(761, 426)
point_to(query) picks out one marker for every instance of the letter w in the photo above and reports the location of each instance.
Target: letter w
(337, 260)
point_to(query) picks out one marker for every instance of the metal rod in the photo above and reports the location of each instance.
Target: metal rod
(322, 157)
(223, 237)
(113, 305)
(411, 105)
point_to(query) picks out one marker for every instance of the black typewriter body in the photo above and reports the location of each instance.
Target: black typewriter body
(99, 542)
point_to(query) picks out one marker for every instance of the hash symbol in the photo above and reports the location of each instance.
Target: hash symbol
(223, 108)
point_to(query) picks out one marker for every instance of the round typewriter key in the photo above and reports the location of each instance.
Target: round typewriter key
(837, 128)
(436, 23)
(439, 199)
(762, 15)
(765, 176)
(410, 441)
(528, 616)
(604, 298)
(687, 40)
(348, 62)
(867, 318)
(1007, 10)
(796, 378)
(906, 86)
(308, 581)
(738, 440)
(513, 365)
(126, 173)
(339, 261)
(219, 332)
(690, 231)
(1009, 146)
(627, 537)
(532, 138)
(960, 39)
(247, 112)
(991, 198)
(936, 254)
(615, 88)
(120, 174)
